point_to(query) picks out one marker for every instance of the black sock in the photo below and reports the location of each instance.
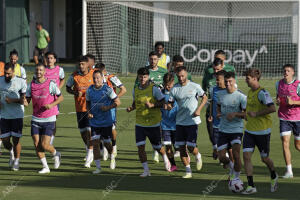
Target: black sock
(101, 146)
(250, 181)
(113, 142)
(273, 174)
(172, 161)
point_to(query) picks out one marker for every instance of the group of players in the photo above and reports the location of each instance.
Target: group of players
(166, 103)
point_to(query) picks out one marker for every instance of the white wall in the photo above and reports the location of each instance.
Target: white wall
(59, 28)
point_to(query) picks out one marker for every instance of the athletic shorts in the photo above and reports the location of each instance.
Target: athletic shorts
(42, 128)
(186, 135)
(287, 127)
(153, 134)
(37, 51)
(83, 121)
(227, 139)
(103, 132)
(11, 127)
(168, 137)
(261, 141)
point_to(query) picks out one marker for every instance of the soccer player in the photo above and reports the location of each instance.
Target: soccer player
(231, 105)
(45, 95)
(178, 61)
(168, 122)
(114, 82)
(12, 91)
(19, 70)
(77, 85)
(101, 100)
(258, 128)
(91, 59)
(164, 59)
(55, 73)
(288, 99)
(147, 100)
(43, 39)
(186, 94)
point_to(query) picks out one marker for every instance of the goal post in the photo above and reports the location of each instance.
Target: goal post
(261, 34)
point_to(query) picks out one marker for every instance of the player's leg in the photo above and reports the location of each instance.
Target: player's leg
(236, 140)
(5, 136)
(285, 135)
(192, 133)
(140, 139)
(209, 127)
(16, 133)
(296, 132)
(169, 140)
(114, 140)
(106, 134)
(36, 55)
(222, 148)
(215, 144)
(95, 141)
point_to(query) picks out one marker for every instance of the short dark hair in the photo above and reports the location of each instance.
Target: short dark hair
(9, 66)
(180, 68)
(229, 75)
(97, 71)
(217, 61)
(13, 52)
(143, 71)
(91, 56)
(159, 44)
(100, 66)
(153, 53)
(51, 53)
(253, 72)
(83, 59)
(168, 77)
(39, 64)
(220, 52)
(39, 23)
(289, 66)
(178, 58)
(221, 73)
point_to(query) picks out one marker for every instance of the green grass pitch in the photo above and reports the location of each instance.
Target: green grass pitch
(72, 181)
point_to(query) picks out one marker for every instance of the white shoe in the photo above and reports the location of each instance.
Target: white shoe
(250, 190)
(187, 175)
(145, 174)
(57, 159)
(16, 167)
(112, 164)
(105, 154)
(177, 154)
(199, 164)
(168, 166)
(44, 171)
(89, 160)
(156, 156)
(288, 175)
(97, 171)
(115, 151)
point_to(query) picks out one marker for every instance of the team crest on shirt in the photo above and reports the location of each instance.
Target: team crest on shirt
(159, 76)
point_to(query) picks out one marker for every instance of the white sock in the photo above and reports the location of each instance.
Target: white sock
(97, 162)
(165, 158)
(44, 162)
(54, 153)
(145, 166)
(289, 169)
(112, 156)
(236, 174)
(52, 139)
(0, 144)
(198, 156)
(188, 169)
(12, 153)
(17, 161)
(90, 151)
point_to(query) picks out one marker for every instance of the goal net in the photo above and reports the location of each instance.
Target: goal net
(253, 34)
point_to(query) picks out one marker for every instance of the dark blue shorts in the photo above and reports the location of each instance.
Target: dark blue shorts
(261, 141)
(186, 135)
(153, 134)
(83, 120)
(11, 127)
(42, 128)
(227, 139)
(287, 127)
(104, 132)
(168, 137)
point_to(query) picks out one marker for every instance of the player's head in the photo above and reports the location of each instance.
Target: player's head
(218, 65)
(288, 71)
(83, 64)
(143, 75)
(220, 54)
(230, 81)
(159, 48)
(40, 70)
(9, 71)
(101, 67)
(153, 58)
(252, 76)
(91, 58)
(51, 58)
(13, 56)
(181, 73)
(220, 78)
(38, 26)
(177, 61)
(168, 81)
(98, 78)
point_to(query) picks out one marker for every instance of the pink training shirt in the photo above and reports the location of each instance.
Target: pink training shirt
(53, 74)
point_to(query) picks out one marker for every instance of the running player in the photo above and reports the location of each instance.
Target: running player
(12, 91)
(101, 100)
(186, 94)
(288, 99)
(178, 61)
(19, 70)
(168, 122)
(77, 85)
(45, 95)
(231, 106)
(147, 100)
(258, 128)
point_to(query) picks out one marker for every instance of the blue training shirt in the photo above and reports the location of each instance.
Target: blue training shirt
(168, 121)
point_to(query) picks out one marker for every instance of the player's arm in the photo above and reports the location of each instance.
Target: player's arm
(202, 104)
(205, 79)
(61, 83)
(242, 113)
(131, 108)
(61, 78)
(116, 101)
(70, 86)
(289, 100)
(117, 83)
(20, 100)
(160, 99)
(54, 90)
(266, 99)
